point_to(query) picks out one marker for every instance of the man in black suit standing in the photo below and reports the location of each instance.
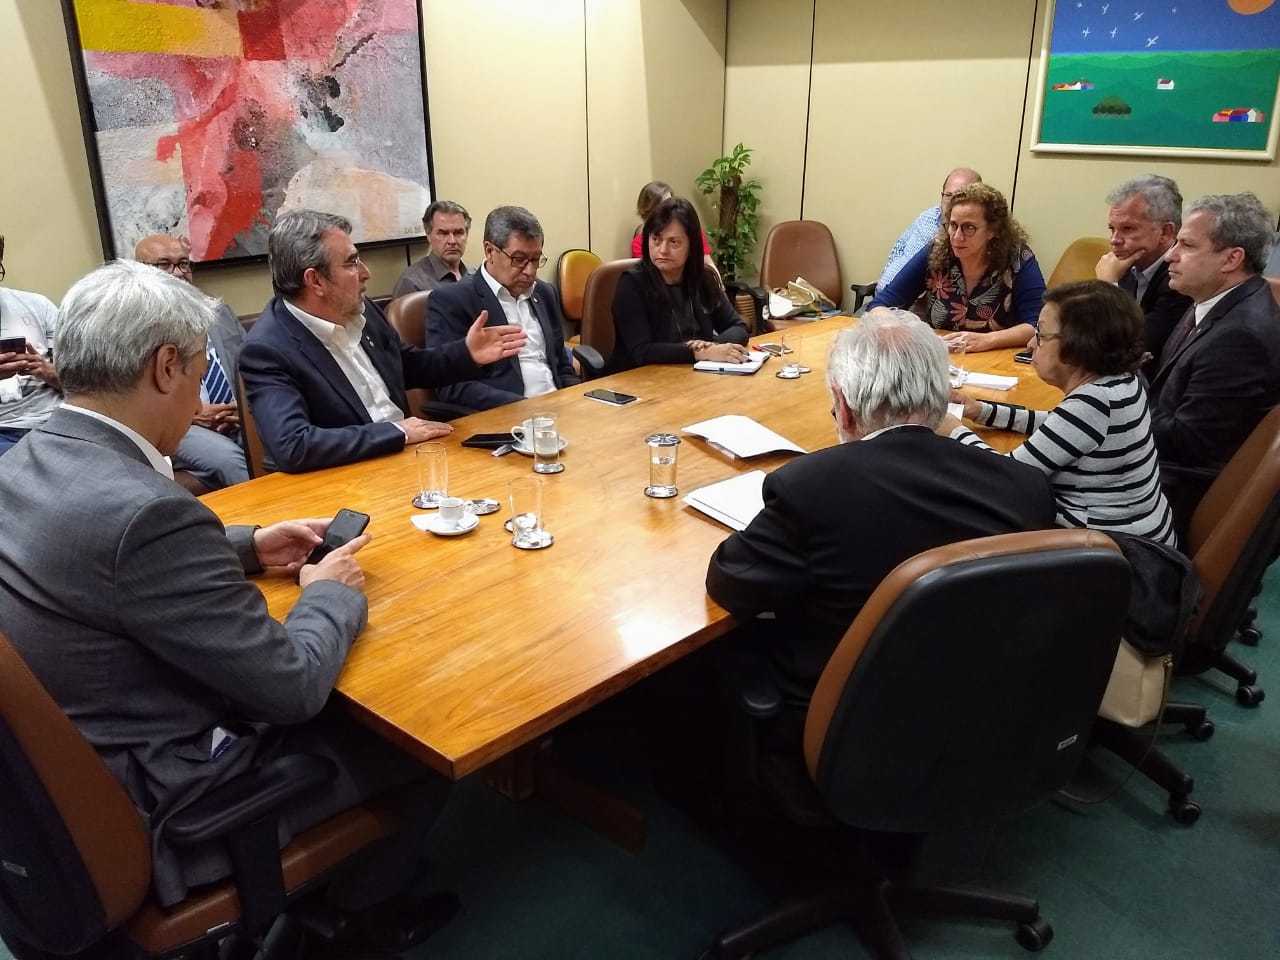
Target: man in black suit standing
(835, 522)
(1145, 215)
(1219, 373)
(506, 289)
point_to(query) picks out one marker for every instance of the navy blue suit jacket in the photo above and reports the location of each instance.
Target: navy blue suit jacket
(453, 308)
(309, 415)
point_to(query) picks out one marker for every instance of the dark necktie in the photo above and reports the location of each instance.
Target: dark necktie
(1181, 333)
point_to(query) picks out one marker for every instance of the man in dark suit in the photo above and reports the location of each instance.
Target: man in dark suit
(324, 371)
(506, 289)
(130, 603)
(1219, 373)
(835, 522)
(1145, 215)
(211, 449)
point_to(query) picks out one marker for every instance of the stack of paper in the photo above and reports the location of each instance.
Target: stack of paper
(739, 436)
(734, 502)
(988, 381)
(755, 360)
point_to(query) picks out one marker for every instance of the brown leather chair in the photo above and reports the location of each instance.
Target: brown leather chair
(1078, 260)
(573, 268)
(598, 334)
(77, 861)
(408, 317)
(1234, 535)
(255, 454)
(801, 248)
(944, 707)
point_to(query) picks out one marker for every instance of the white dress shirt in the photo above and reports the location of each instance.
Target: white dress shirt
(534, 367)
(343, 344)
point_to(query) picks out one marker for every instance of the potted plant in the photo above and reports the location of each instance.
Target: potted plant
(737, 203)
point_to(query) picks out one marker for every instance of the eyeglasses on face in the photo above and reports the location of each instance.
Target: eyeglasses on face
(520, 261)
(171, 266)
(1042, 337)
(968, 229)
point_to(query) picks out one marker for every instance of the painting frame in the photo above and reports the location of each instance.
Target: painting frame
(1040, 144)
(394, 201)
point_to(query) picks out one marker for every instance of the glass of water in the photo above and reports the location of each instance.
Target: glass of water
(662, 465)
(526, 514)
(433, 475)
(546, 444)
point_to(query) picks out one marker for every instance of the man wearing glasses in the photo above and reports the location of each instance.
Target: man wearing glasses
(29, 389)
(324, 371)
(925, 227)
(210, 450)
(506, 289)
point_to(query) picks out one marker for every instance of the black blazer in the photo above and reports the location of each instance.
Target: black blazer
(453, 308)
(1162, 308)
(643, 328)
(1210, 391)
(835, 522)
(309, 415)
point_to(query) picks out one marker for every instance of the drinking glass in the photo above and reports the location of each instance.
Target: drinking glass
(792, 348)
(526, 514)
(546, 444)
(433, 475)
(662, 449)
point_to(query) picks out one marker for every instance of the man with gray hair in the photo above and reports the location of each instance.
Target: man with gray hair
(836, 521)
(1219, 372)
(325, 372)
(447, 225)
(1145, 215)
(129, 601)
(506, 289)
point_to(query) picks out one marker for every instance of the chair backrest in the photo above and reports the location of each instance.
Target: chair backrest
(1078, 260)
(408, 317)
(1233, 536)
(597, 306)
(955, 698)
(802, 248)
(75, 861)
(572, 270)
(255, 454)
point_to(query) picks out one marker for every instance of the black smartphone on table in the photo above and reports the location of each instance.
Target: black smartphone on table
(346, 526)
(611, 396)
(489, 441)
(1023, 357)
(13, 344)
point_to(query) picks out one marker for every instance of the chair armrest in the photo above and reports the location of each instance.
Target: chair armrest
(591, 359)
(444, 411)
(758, 693)
(247, 798)
(861, 292)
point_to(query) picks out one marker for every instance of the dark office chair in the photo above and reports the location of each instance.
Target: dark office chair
(573, 267)
(408, 317)
(597, 340)
(255, 454)
(800, 248)
(948, 704)
(77, 861)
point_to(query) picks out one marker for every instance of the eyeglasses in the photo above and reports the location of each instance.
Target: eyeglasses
(1, 272)
(170, 266)
(968, 229)
(353, 263)
(1042, 337)
(520, 261)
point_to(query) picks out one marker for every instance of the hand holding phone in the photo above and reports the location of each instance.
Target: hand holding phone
(13, 344)
(346, 526)
(611, 396)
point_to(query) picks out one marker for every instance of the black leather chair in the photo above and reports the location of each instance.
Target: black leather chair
(953, 701)
(75, 861)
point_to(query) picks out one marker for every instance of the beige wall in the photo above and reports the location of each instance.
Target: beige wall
(508, 126)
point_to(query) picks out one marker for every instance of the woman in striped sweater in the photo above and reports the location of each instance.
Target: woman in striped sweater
(1095, 446)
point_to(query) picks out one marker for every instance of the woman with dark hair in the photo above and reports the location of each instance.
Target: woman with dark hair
(1095, 446)
(668, 308)
(652, 194)
(978, 277)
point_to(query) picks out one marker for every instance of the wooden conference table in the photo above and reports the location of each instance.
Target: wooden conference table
(475, 648)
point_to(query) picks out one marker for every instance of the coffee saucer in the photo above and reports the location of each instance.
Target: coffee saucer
(432, 524)
(528, 451)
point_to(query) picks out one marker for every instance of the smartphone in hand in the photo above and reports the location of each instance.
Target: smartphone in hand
(346, 526)
(13, 344)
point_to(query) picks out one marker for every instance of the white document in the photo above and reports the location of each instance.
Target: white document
(734, 502)
(740, 436)
(755, 360)
(988, 381)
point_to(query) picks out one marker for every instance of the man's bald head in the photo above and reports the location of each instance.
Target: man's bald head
(957, 178)
(170, 254)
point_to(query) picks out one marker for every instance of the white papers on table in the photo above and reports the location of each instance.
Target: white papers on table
(988, 381)
(956, 410)
(740, 436)
(734, 502)
(755, 360)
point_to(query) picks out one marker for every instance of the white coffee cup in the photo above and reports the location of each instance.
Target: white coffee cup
(454, 512)
(523, 432)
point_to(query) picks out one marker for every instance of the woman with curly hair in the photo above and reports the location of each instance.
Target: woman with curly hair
(978, 277)
(1095, 446)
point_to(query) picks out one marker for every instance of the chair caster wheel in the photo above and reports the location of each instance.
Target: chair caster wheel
(1034, 936)
(1201, 731)
(1248, 696)
(1250, 636)
(1185, 812)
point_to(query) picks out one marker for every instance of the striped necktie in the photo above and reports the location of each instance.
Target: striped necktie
(216, 383)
